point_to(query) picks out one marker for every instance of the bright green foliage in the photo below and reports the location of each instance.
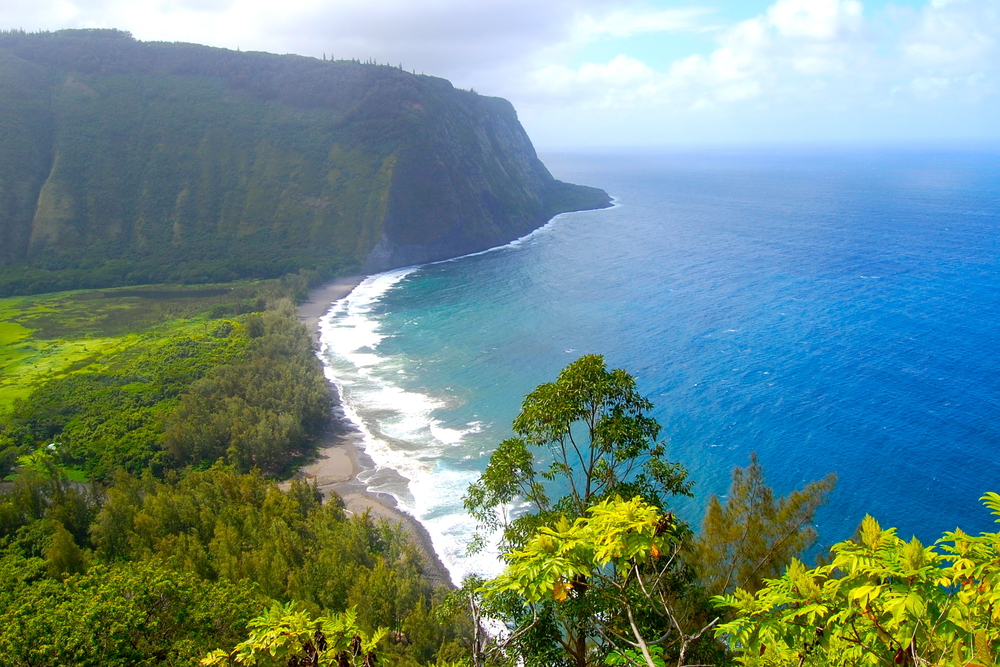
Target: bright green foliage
(597, 442)
(48, 336)
(259, 411)
(881, 601)
(754, 536)
(45, 462)
(249, 390)
(119, 616)
(616, 532)
(616, 563)
(285, 636)
(110, 416)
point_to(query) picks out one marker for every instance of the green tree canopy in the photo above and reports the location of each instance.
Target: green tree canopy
(882, 600)
(754, 535)
(116, 616)
(595, 441)
(582, 440)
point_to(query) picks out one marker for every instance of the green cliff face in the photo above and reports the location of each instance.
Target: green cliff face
(126, 162)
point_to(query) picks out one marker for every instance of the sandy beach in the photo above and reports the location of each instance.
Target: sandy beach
(340, 455)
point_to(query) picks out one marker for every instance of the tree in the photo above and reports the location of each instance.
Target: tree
(284, 636)
(754, 536)
(881, 601)
(42, 491)
(616, 563)
(63, 555)
(595, 442)
(123, 615)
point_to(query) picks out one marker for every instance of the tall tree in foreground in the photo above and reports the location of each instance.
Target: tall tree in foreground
(594, 440)
(754, 536)
(581, 440)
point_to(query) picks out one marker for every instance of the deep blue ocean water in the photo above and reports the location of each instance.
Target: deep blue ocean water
(829, 310)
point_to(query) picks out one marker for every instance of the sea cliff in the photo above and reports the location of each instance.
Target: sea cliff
(126, 162)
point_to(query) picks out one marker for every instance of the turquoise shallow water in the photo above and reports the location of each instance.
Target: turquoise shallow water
(832, 311)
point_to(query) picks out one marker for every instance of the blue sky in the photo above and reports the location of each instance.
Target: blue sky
(600, 73)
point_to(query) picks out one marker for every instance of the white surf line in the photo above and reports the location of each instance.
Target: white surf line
(446, 531)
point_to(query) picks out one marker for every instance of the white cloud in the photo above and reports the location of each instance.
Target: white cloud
(626, 23)
(956, 37)
(621, 81)
(814, 19)
(800, 67)
(451, 38)
(794, 37)
(809, 67)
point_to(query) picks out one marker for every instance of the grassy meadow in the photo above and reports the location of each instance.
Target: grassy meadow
(49, 336)
(96, 378)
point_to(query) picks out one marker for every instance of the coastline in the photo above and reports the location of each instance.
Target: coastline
(340, 454)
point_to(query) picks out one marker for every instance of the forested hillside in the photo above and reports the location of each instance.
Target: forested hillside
(123, 162)
(141, 522)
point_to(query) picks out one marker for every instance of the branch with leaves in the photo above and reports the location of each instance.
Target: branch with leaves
(881, 601)
(594, 438)
(617, 560)
(286, 636)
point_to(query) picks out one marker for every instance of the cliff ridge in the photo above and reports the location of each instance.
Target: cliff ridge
(126, 162)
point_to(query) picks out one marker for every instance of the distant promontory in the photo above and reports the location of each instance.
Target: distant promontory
(127, 162)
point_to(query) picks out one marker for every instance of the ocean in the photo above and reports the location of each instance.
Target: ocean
(830, 310)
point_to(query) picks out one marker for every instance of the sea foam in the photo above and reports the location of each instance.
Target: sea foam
(400, 432)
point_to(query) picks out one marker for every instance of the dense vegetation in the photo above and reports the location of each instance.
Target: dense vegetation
(183, 536)
(621, 582)
(188, 391)
(616, 580)
(127, 163)
(880, 601)
(146, 572)
(579, 587)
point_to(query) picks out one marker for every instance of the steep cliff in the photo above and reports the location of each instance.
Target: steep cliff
(126, 162)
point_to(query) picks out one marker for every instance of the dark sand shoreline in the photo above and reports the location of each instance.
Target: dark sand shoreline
(340, 456)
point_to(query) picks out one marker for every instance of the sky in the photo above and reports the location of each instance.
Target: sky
(600, 73)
